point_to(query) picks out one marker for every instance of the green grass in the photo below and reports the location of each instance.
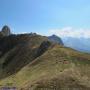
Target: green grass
(63, 66)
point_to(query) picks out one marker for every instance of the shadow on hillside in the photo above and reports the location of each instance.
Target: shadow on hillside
(21, 55)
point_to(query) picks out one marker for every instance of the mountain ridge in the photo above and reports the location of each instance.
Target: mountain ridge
(34, 62)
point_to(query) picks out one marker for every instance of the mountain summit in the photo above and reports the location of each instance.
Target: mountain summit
(6, 31)
(55, 39)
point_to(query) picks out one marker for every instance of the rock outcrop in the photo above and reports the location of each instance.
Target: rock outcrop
(5, 31)
(55, 39)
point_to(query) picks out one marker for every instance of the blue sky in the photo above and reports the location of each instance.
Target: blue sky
(44, 15)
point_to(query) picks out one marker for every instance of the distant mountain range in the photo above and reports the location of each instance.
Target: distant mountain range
(80, 44)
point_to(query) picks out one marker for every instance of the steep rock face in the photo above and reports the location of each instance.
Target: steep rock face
(6, 31)
(55, 39)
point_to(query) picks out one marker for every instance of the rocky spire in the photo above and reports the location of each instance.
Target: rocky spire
(6, 31)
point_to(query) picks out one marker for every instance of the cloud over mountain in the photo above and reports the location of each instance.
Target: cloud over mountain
(71, 32)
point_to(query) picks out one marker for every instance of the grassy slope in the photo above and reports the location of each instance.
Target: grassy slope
(59, 67)
(20, 54)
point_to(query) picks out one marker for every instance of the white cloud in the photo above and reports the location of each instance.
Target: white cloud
(71, 32)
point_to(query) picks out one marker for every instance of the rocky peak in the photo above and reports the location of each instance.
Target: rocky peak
(55, 39)
(6, 31)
